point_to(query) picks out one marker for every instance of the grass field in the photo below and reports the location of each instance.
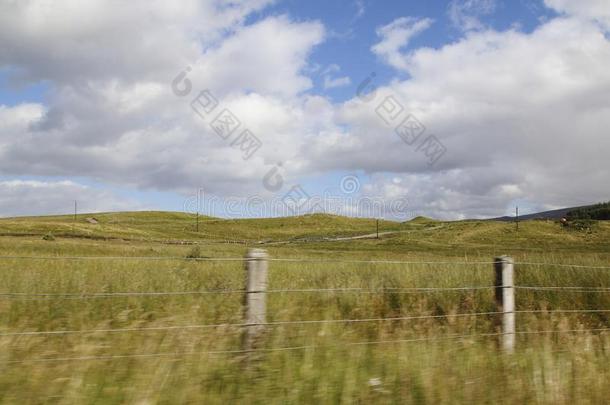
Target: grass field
(331, 364)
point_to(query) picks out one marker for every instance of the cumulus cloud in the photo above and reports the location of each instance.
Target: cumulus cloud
(265, 57)
(396, 36)
(598, 10)
(178, 155)
(512, 130)
(30, 197)
(111, 114)
(522, 115)
(72, 41)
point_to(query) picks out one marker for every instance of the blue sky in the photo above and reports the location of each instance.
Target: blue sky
(352, 29)
(16, 93)
(87, 110)
(355, 35)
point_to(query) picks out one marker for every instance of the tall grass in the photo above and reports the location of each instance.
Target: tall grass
(401, 361)
(557, 368)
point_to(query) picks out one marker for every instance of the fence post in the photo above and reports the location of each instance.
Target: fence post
(255, 297)
(505, 300)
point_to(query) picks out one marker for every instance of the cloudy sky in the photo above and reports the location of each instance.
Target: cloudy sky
(449, 109)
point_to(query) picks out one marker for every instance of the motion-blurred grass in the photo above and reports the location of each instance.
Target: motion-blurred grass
(547, 368)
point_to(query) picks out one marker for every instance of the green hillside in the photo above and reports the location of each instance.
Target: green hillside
(420, 233)
(148, 233)
(154, 225)
(144, 325)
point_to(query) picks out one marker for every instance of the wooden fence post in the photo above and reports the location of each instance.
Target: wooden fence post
(505, 300)
(255, 297)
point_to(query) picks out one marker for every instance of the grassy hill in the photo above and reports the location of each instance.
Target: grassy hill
(166, 343)
(180, 226)
(316, 232)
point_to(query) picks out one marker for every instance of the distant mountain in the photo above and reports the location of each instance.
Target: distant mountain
(553, 214)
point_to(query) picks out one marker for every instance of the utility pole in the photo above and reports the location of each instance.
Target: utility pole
(517, 216)
(377, 226)
(199, 191)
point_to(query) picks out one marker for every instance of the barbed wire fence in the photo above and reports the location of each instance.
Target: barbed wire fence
(255, 309)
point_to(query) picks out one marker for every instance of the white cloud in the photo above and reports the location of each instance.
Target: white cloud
(241, 62)
(523, 116)
(69, 41)
(396, 36)
(114, 118)
(331, 82)
(466, 14)
(175, 150)
(598, 10)
(534, 131)
(31, 197)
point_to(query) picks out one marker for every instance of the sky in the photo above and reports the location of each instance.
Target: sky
(254, 108)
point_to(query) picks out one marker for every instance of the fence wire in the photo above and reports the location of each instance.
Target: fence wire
(48, 296)
(294, 260)
(296, 322)
(293, 348)
(576, 266)
(413, 290)
(564, 288)
(143, 258)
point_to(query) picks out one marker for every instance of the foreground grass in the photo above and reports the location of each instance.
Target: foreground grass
(408, 361)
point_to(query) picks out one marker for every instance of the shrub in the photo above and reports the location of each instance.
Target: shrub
(49, 236)
(581, 225)
(194, 253)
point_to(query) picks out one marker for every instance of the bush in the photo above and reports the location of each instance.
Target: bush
(194, 253)
(49, 236)
(581, 225)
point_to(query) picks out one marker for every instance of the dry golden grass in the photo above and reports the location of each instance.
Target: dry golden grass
(426, 365)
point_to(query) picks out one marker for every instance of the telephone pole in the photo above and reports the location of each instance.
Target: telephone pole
(75, 211)
(517, 216)
(377, 226)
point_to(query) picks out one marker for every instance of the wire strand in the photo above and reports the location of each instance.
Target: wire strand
(566, 288)
(211, 259)
(238, 325)
(304, 260)
(154, 258)
(578, 266)
(413, 290)
(47, 296)
(381, 290)
(292, 348)
(323, 260)
(297, 322)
